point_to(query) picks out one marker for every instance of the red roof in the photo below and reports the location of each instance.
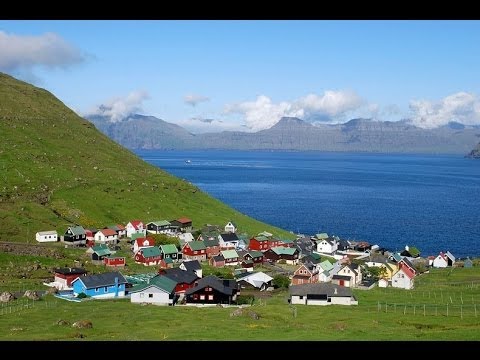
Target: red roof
(184, 220)
(141, 241)
(135, 223)
(120, 227)
(108, 232)
(408, 272)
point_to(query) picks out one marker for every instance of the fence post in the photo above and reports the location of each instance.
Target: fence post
(386, 308)
(405, 310)
(436, 310)
(414, 306)
(423, 309)
(475, 310)
(461, 311)
(461, 297)
(447, 309)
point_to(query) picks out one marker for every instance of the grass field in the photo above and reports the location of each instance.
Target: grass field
(382, 314)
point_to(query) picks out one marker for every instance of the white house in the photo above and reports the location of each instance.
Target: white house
(230, 227)
(141, 243)
(321, 294)
(46, 236)
(327, 246)
(160, 290)
(105, 236)
(403, 279)
(257, 280)
(135, 226)
(228, 240)
(353, 271)
(185, 237)
(443, 260)
(383, 283)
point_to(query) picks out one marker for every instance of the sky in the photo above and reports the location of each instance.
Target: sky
(209, 76)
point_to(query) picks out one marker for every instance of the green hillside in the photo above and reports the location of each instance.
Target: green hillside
(57, 169)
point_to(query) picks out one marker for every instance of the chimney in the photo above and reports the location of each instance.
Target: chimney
(116, 286)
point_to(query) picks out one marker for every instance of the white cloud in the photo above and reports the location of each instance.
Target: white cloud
(21, 52)
(461, 107)
(194, 99)
(120, 107)
(262, 113)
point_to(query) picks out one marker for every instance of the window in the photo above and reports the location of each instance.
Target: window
(301, 297)
(195, 252)
(150, 296)
(210, 297)
(96, 289)
(195, 296)
(202, 297)
(105, 289)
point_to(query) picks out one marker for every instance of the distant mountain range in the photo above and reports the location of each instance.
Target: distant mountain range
(357, 135)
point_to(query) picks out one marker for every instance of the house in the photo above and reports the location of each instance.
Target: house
(183, 224)
(212, 290)
(230, 256)
(405, 263)
(169, 251)
(135, 226)
(99, 252)
(383, 283)
(327, 245)
(246, 264)
(185, 237)
(380, 261)
(290, 255)
(468, 263)
(403, 278)
(353, 271)
(159, 290)
(75, 235)
(161, 227)
(212, 247)
(142, 242)
(119, 229)
(411, 252)
(192, 265)
(256, 280)
(114, 261)
(321, 294)
(305, 274)
(443, 260)
(90, 236)
(47, 236)
(194, 250)
(256, 256)
(148, 256)
(342, 280)
(259, 243)
(105, 236)
(184, 279)
(166, 263)
(63, 277)
(304, 245)
(217, 261)
(228, 240)
(230, 227)
(106, 285)
(325, 271)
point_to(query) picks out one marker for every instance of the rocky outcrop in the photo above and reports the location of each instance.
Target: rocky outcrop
(6, 297)
(31, 294)
(475, 153)
(83, 324)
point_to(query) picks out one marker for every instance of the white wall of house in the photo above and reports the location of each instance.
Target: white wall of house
(131, 229)
(440, 262)
(101, 238)
(151, 295)
(401, 280)
(343, 300)
(317, 302)
(230, 227)
(383, 283)
(325, 247)
(185, 237)
(346, 271)
(46, 236)
(201, 257)
(144, 244)
(62, 283)
(298, 300)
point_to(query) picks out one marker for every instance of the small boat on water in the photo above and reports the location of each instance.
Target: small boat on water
(188, 161)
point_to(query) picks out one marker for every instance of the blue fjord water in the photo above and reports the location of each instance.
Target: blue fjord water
(429, 201)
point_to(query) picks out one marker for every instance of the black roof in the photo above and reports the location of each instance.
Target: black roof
(218, 258)
(320, 289)
(105, 279)
(341, 277)
(229, 237)
(70, 271)
(180, 276)
(210, 243)
(224, 286)
(192, 265)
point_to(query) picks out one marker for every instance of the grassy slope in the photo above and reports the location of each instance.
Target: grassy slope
(277, 321)
(57, 169)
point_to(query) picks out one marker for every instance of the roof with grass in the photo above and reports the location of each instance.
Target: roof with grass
(160, 282)
(229, 254)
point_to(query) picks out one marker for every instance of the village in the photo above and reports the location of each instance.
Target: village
(320, 269)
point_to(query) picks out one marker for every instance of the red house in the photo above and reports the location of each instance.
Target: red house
(262, 243)
(65, 276)
(194, 250)
(212, 247)
(114, 261)
(184, 279)
(148, 256)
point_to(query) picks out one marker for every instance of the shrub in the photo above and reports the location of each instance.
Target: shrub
(82, 296)
(281, 281)
(245, 299)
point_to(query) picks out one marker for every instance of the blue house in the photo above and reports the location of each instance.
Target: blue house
(106, 285)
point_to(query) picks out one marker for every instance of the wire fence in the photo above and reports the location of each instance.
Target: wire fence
(20, 305)
(448, 310)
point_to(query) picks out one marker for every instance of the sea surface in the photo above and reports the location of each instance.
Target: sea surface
(427, 201)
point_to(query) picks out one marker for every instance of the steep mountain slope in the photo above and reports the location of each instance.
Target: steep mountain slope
(57, 168)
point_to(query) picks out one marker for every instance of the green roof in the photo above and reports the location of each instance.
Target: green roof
(161, 282)
(229, 254)
(169, 249)
(315, 256)
(99, 247)
(102, 252)
(151, 251)
(168, 260)
(137, 235)
(265, 233)
(280, 250)
(77, 230)
(255, 253)
(326, 265)
(287, 241)
(197, 245)
(261, 238)
(160, 223)
(321, 236)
